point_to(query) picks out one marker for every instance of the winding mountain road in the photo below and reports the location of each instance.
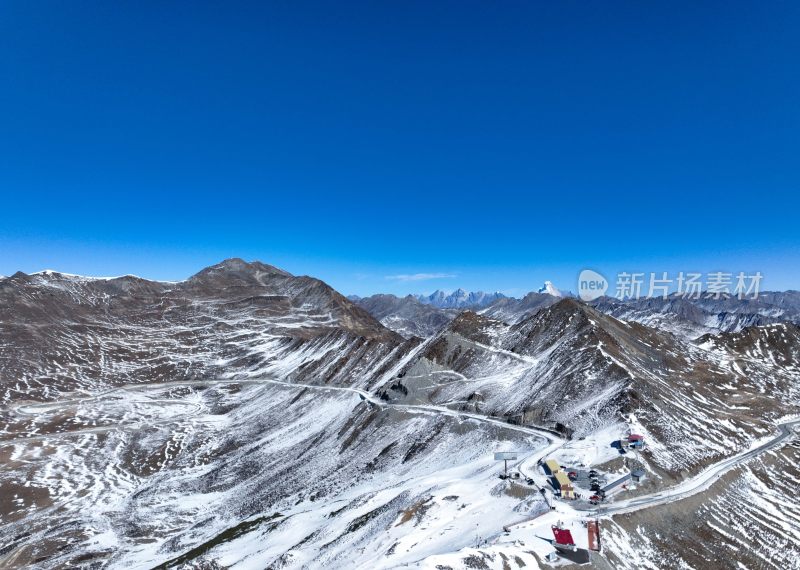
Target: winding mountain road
(702, 480)
(687, 488)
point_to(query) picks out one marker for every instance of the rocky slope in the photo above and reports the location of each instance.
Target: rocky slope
(692, 317)
(61, 333)
(747, 519)
(407, 316)
(572, 366)
(247, 417)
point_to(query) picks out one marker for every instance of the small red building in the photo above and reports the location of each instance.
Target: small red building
(563, 536)
(635, 441)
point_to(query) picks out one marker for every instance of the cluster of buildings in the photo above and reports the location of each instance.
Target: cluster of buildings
(563, 481)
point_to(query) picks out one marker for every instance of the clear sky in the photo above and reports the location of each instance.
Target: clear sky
(401, 146)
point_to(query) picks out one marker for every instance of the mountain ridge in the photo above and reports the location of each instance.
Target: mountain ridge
(246, 399)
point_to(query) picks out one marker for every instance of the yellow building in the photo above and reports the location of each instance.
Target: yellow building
(552, 466)
(567, 490)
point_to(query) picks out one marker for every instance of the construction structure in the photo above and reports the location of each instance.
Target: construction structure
(566, 547)
(560, 480)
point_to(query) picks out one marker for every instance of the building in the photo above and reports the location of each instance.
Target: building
(565, 485)
(638, 475)
(614, 486)
(593, 528)
(635, 441)
(562, 535)
(551, 467)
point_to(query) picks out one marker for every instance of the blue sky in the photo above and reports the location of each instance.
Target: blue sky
(486, 145)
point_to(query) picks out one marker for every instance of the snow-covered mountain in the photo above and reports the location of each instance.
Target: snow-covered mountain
(511, 310)
(550, 289)
(460, 299)
(62, 333)
(693, 317)
(247, 417)
(687, 317)
(407, 316)
(571, 365)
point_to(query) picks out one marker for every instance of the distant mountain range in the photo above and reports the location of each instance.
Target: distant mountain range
(423, 315)
(692, 318)
(460, 299)
(407, 316)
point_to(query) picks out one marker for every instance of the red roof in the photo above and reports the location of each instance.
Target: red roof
(635, 437)
(563, 535)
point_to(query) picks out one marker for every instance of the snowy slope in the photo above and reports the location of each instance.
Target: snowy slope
(249, 418)
(691, 317)
(572, 366)
(244, 469)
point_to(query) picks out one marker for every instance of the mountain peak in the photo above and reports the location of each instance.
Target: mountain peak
(550, 289)
(460, 299)
(238, 264)
(239, 268)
